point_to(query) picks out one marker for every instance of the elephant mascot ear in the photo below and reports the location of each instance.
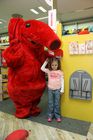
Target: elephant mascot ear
(14, 29)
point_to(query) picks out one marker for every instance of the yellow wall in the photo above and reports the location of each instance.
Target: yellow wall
(76, 108)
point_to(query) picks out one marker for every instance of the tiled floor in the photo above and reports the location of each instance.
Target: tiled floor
(8, 123)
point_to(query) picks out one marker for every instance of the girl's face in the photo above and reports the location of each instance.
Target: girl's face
(54, 65)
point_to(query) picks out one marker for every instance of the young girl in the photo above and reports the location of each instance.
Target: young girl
(55, 87)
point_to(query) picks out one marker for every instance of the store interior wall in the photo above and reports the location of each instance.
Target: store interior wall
(76, 108)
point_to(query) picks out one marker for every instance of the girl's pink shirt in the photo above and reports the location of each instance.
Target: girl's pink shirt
(54, 78)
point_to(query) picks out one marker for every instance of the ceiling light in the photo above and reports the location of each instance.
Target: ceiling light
(42, 9)
(41, 18)
(49, 2)
(79, 10)
(1, 22)
(34, 11)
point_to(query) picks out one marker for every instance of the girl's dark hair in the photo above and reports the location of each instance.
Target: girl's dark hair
(50, 60)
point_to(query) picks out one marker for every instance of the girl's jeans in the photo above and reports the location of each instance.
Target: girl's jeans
(54, 103)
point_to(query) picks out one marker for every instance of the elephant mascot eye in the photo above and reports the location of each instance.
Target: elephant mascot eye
(28, 25)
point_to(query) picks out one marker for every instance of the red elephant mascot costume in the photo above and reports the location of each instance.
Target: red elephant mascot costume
(24, 57)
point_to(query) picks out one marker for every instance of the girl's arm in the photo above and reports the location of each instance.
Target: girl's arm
(43, 67)
(62, 84)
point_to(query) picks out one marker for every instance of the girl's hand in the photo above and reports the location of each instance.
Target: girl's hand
(51, 52)
(61, 92)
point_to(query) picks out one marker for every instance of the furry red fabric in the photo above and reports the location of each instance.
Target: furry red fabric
(24, 57)
(21, 134)
(58, 53)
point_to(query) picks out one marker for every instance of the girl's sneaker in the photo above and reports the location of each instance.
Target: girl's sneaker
(58, 120)
(49, 120)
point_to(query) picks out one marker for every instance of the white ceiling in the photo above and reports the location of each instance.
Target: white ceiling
(67, 10)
